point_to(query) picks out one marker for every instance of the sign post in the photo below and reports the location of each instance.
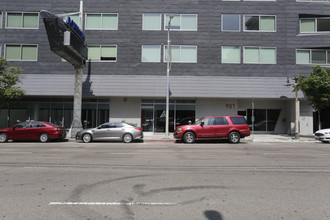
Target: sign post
(68, 41)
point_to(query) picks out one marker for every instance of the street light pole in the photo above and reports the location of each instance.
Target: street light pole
(296, 131)
(168, 78)
(296, 123)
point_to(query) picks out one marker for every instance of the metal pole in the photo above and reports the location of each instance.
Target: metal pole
(81, 15)
(168, 79)
(296, 123)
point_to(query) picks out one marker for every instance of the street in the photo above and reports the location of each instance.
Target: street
(164, 180)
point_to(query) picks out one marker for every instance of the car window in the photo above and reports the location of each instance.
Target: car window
(22, 125)
(221, 121)
(209, 121)
(105, 126)
(37, 125)
(238, 120)
(119, 125)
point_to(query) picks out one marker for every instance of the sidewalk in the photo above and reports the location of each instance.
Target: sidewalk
(253, 138)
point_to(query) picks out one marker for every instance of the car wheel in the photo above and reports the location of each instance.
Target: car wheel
(127, 138)
(234, 137)
(44, 138)
(86, 138)
(189, 137)
(3, 138)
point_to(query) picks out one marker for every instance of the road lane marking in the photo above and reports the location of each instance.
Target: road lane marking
(114, 203)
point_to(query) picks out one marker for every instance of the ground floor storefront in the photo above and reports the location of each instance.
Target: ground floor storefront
(274, 116)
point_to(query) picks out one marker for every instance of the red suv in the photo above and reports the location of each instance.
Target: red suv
(232, 127)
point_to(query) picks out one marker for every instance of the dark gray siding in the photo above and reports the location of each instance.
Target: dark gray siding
(209, 38)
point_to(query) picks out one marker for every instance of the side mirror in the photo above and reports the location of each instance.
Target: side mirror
(202, 124)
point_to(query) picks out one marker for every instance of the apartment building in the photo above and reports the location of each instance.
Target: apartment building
(228, 57)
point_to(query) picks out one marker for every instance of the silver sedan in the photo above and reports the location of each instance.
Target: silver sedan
(111, 131)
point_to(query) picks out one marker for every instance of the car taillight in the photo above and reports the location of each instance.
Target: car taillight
(140, 129)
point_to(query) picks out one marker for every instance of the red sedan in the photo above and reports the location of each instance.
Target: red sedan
(32, 130)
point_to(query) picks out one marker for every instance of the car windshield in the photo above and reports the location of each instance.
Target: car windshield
(198, 121)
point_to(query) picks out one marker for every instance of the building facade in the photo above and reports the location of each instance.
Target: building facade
(228, 57)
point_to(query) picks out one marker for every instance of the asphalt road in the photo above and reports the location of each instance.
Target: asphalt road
(150, 181)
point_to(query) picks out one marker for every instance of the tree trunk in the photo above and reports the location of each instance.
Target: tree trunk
(319, 114)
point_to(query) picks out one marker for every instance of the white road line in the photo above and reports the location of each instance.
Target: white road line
(114, 203)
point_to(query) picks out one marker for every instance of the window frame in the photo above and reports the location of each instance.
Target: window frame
(160, 53)
(259, 16)
(165, 22)
(327, 54)
(165, 54)
(102, 61)
(22, 19)
(160, 24)
(240, 54)
(239, 23)
(21, 46)
(259, 57)
(1, 19)
(315, 25)
(102, 29)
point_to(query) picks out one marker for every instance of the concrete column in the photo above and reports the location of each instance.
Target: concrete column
(77, 102)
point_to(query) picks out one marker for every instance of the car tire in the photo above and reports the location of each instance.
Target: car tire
(86, 138)
(3, 137)
(44, 138)
(127, 138)
(234, 137)
(189, 137)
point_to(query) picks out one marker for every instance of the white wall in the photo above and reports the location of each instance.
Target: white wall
(125, 109)
(306, 118)
(208, 107)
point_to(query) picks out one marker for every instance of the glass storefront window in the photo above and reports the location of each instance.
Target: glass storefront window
(153, 114)
(265, 119)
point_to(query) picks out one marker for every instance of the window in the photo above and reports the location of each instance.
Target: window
(266, 23)
(313, 56)
(152, 22)
(22, 20)
(74, 18)
(101, 22)
(151, 53)
(0, 19)
(37, 125)
(102, 53)
(182, 22)
(21, 52)
(310, 25)
(230, 54)
(182, 54)
(220, 121)
(230, 22)
(260, 55)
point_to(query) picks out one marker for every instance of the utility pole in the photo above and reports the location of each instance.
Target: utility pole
(168, 78)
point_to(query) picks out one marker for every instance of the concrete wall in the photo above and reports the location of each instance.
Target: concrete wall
(125, 109)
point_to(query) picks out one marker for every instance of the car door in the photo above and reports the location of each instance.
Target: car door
(35, 129)
(221, 127)
(102, 131)
(116, 131)
(207, 128)
(20, 131)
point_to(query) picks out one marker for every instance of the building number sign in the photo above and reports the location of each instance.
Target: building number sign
(230, 106)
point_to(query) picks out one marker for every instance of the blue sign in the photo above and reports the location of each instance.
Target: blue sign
(76, 28)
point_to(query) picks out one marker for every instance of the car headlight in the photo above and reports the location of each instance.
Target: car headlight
(179, 129)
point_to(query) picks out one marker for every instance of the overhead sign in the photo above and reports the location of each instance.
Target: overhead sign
(65, 39)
